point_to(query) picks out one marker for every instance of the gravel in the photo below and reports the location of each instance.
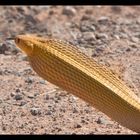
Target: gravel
(18, 97)
(69, 11)
(35, 111)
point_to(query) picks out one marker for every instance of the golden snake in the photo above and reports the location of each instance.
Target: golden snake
(67, 67)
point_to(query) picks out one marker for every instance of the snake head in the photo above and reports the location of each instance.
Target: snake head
(25, 43)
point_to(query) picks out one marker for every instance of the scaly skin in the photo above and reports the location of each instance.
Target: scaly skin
(67, 67)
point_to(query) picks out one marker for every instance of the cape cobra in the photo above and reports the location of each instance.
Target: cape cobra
(67, 67)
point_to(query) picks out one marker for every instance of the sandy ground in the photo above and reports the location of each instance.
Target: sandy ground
(31, 105)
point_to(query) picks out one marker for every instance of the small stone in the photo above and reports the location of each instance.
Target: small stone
(30, 19)
(17, 90)
(77, 126)
(83, 121)
(87, 111)
(1, 101)
(7, 98)
(97, 129)
(128, 49)
(88, 11)
(133, 45)
(135, 39)
(24, 58)
(85, 17)
(47, 97)
(117, 37)
(92, 133)
(138, 20)
(87, 27)
(101, 120)
(18, 97)
(56, 101)
(35, 111)
(3, 48)
(97, 52)
(8, 48)
(23, 103)
(42, 81)
(102, 36)
(3, 128)
(118, 131)
(30, 96)
(51, 12)
(36, 94)
(27, 71)
(13, 94)
(1, 72)
(48, 113)
(89, 36)
(69, 11)
(29, 80)
(103, 20)
(75, 110)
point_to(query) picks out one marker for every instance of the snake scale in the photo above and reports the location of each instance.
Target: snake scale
(67, 67)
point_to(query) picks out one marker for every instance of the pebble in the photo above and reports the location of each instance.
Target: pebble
(87, 27)
(13, 94)
(88, 11)
(3, 48)
(133, 46)
(8, 48)
(83, 121)
(101, 120)
(135, 39)
(138, 20)
(23, 103)
(85, 17)
(117, 37)
(128, 49)
(103, 20)
(101, 36)
(42, 81)
(23, 58)
(48, 113)
(27, 71)
(69, 11)
(97, 129)
(35, 111)
(77, 126)
(97, 52)
(118, 131)
(1, 101)
(17, 90)
(30, 19)
(18, 97)
(29, 80)
(47, 97)
(1, 72)
(36, 94)
(88, 36)
(30, 96)
(75, 110)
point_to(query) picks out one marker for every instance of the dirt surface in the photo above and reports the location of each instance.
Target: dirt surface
(31, 105)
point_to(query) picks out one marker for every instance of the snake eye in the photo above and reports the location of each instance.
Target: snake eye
(17, 40)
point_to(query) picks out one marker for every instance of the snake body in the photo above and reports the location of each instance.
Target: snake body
(67, 67)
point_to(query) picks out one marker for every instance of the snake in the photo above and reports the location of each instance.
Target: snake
(67, 67)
